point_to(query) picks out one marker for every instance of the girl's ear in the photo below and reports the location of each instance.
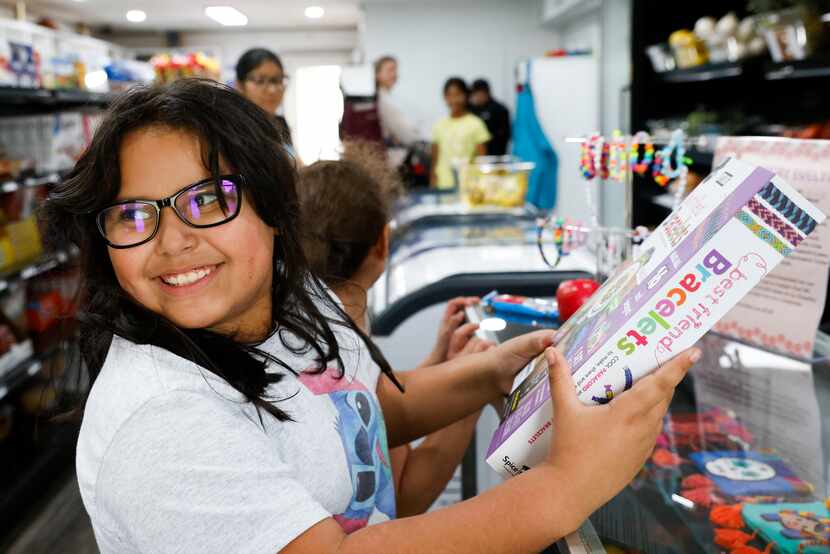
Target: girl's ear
(383, 242)
(380, 251)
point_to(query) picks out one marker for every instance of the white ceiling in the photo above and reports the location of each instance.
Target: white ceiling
(189, 14)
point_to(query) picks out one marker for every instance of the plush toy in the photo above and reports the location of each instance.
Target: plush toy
(727, 516)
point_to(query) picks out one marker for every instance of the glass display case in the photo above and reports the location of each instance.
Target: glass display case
(742, 462)
(440, 248)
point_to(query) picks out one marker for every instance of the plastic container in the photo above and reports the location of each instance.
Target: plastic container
(791, 35)
(661, 58)
(500, 183)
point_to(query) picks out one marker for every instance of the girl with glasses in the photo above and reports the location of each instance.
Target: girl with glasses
(233, 407)
(261, 78)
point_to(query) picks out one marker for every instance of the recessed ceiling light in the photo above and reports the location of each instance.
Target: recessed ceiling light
(226, 15)
(136, 16)
(314, 12)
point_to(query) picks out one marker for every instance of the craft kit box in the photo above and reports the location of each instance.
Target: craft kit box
(737, 225)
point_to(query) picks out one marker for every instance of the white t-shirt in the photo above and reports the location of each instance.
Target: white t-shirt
(170, 459)
(395, 124)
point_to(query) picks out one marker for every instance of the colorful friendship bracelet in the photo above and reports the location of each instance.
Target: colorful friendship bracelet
(640, 167)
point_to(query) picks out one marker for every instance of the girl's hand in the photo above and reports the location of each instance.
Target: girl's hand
(602, 448)
(463, 341)
(507, 359)
(451, 324)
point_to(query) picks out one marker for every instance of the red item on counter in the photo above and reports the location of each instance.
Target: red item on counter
(731, 538)
(572, 294)
(696, 481)
(727, 516)
(746, 549)
(666, 458)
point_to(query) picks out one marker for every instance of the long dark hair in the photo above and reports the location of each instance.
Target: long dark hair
(254, 58)
(227, 126)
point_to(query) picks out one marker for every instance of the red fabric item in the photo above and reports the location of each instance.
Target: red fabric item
(727, 516)
(666, 458)
(732, 538)
(746, 549)
(696, 481)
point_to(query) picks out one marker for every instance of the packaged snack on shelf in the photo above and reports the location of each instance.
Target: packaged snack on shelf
(737, 225)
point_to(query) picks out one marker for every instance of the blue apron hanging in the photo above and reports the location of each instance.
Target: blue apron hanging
(530, 144)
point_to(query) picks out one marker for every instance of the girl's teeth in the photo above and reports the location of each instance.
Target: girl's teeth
(186, 278)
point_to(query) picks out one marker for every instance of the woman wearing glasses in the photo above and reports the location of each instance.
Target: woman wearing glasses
(260, 77)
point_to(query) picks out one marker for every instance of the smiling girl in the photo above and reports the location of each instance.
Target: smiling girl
(231, 409)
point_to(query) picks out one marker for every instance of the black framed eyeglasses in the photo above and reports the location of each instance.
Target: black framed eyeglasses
(208, 203)
(264, 82)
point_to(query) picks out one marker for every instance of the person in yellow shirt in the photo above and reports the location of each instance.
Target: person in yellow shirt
(456, 138)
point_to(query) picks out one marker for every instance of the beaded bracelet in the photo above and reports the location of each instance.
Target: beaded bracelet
(663, 171)
(587, 162)
(617, 158)
(605, 153)
(640, 167)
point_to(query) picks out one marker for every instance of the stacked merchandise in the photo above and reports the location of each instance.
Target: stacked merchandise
(46, 143)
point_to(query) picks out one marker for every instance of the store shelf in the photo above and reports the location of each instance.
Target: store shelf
(15, 377)
(20, 96)
(31, 268)
(797, 70)
(711, 72)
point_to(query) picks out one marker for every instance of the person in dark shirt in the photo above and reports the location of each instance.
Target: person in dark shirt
(495, 116)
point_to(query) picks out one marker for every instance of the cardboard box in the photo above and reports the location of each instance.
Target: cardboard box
(737, 225)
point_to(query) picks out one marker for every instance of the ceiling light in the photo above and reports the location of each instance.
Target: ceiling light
(136, 16)
(314, 12)
(226, 15)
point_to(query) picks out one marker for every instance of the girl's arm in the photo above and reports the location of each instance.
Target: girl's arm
(438, 396)
(430, 466)
(595, 452)
(422, 473)
(481, 149)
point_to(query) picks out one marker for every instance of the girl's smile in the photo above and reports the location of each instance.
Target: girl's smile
(188, 281)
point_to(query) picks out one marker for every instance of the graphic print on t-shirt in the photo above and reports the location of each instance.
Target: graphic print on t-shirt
(363, 432)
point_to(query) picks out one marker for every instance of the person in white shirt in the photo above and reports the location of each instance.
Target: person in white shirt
(398, 128)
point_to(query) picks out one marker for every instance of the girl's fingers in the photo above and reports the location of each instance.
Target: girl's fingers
(658, 387)
(562, 390)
